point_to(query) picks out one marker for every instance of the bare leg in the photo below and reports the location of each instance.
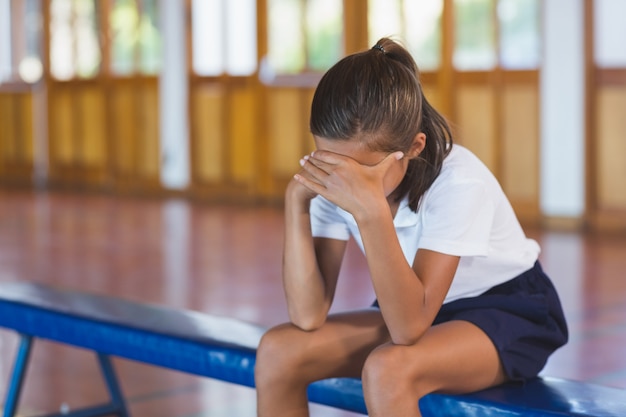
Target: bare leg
(289, 359)
(454, 357)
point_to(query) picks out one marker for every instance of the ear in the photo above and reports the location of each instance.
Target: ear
(418, 145)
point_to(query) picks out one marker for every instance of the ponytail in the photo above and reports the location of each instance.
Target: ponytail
(423, 170)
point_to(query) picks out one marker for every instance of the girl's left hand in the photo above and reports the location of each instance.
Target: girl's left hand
(344, 181)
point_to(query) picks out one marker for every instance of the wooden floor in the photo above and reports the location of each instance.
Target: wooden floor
(226, 260)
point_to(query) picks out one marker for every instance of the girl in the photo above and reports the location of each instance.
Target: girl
(461, 304)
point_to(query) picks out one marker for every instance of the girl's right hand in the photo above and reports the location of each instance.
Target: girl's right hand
(297, 191)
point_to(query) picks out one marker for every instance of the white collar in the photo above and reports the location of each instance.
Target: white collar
(405, 217)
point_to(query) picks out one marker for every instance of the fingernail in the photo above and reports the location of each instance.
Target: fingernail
(302, 162)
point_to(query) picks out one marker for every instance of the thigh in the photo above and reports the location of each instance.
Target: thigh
(337, 349)
(453, 357)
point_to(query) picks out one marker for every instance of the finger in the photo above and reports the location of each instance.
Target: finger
(394, 156)
(390, 159)
(329, 162)
(316, 169)
(328, 157)
(309, 183)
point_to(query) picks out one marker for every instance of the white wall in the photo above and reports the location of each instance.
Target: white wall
(609, 33)
(173, 107)
(5, 40)
(562, 90)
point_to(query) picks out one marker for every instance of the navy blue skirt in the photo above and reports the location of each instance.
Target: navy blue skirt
(523, 317)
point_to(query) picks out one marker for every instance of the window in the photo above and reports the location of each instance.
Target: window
(416, 23)
(224, 37)
(74, 48)
(609, 33)
(475, 35)
(75, 28)
(20, 41)
(519, 34)
(479, 23)
(136, 41)
(304, 36)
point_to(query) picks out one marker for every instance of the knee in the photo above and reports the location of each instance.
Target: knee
(390, 373)
(394, 379)
(276, 355)
(384, 367)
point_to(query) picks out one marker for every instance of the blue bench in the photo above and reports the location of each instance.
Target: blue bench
(225, 349)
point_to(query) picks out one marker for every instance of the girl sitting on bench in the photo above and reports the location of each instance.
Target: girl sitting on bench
(461, 304)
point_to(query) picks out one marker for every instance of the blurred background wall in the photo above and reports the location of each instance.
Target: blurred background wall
(209, 99)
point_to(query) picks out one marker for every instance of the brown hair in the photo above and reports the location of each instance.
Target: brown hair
(375, 96)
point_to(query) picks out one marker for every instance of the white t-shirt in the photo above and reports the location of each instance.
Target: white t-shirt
(464, 213)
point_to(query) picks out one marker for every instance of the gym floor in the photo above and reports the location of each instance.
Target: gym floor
(226, 260)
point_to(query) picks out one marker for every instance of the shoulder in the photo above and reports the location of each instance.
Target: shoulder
(460, 168)
(464, 180)
(463, 163)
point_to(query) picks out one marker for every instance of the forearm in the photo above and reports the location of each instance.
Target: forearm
(400, 292)
(305, 288)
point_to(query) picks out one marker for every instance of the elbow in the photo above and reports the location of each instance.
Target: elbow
(407, 336)
(404, 340)
(307, 323)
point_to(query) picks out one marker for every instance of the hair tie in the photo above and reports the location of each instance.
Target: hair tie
(379, 47)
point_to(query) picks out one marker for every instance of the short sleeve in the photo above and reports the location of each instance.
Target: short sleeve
(326, 221)
(457, 219)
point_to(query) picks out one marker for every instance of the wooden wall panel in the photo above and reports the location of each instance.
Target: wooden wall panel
(611, 148)
(4, 128)
(123, 131)
(307, 99)
(104, 134)
(77, 135)
(432, 95)
(207, 134)
(285, 132)
(62, 135)
(16, 137)
(475, 111)
(26, 143)
(8, 129)
(148, 160)
(241, 136)
(93, 129)
(520, 144)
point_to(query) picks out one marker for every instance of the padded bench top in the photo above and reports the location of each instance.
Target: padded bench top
(185, 324)
(184, 340)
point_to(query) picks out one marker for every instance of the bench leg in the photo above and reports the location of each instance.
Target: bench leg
(117, 398)
(17, 377)
(115, 407)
